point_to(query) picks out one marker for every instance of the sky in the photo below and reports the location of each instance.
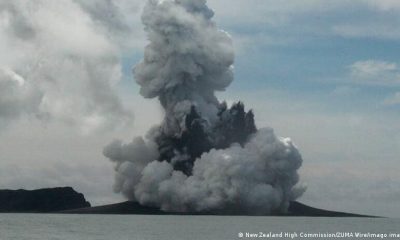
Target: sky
(325, 74)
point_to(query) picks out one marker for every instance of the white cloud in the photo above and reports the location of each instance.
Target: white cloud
(392, 100)
(344, 91)
(283, 21)
(372, 68)
(16, 95)
(375, 72)
(253, 22)
(120, 20)
(384, 5)
(59, 63)
(270, 12)
(375, 30)
(378, 19)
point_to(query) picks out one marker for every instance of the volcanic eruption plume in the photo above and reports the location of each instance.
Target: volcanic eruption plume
(204, 156)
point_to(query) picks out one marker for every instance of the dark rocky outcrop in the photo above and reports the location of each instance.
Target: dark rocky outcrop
(67, 200)
(234, 125)
(41, 200)
(296, 209)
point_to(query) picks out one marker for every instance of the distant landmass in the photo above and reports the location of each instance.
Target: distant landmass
(46, 200)
(66, 200)
(295, 209)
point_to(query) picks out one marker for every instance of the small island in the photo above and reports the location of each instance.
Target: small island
(66, 200)
(47, 200)
(296, 209)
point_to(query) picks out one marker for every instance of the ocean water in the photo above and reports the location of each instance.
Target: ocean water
(135, 227)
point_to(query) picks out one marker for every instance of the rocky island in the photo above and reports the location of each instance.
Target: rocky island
(296, 209)
(68, 201)
(41, 200)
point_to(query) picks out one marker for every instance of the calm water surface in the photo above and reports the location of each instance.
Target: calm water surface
(109, 227)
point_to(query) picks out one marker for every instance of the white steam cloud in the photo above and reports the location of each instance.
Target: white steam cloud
(58, 63)
(204, 157)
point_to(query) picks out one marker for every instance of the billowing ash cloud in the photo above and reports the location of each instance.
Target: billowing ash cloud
(57, 63)
(204, 156)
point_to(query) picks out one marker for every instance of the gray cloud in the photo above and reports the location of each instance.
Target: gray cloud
(375, 72)
(392, 100)
(120, 20)
(58, 64)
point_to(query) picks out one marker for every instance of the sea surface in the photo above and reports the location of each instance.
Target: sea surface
(135, 227)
